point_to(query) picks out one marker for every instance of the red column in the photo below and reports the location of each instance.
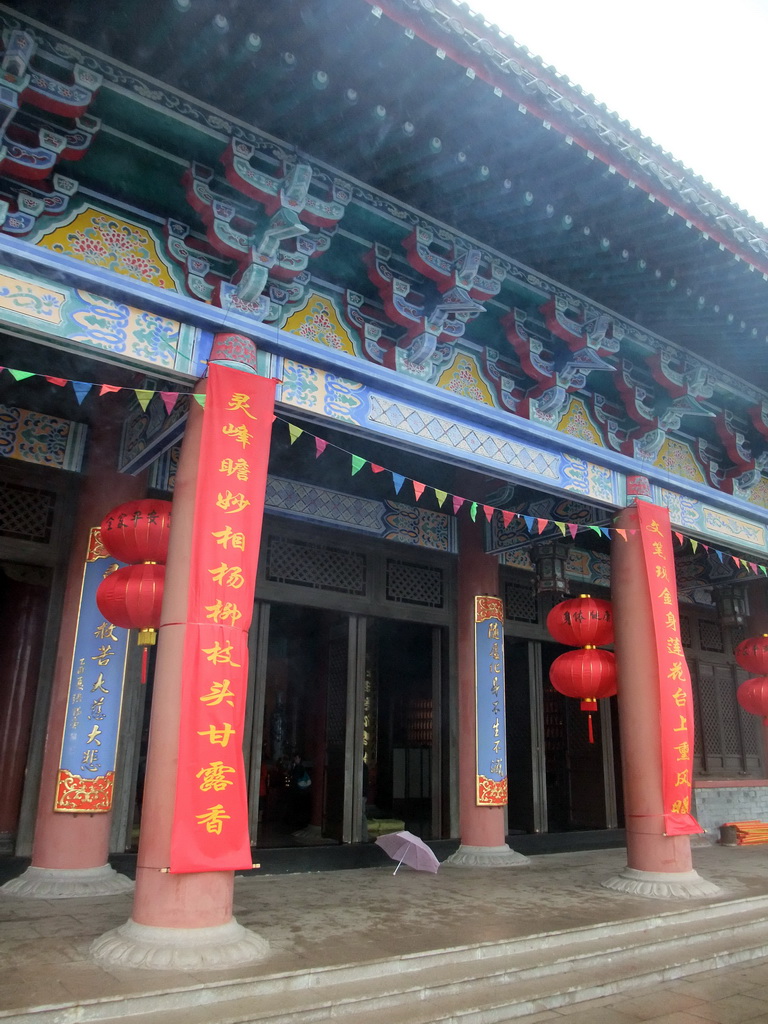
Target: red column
(70, 851)
(657, 865)
(180, 920)
(482, 828)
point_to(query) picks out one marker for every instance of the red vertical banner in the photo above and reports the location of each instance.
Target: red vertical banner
(675, 698)
(210, 824)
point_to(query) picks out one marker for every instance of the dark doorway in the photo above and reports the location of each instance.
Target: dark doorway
(24, 592)
(301, 785)
(518, 674)
(399, 724)
(557, 778)
(574, 766)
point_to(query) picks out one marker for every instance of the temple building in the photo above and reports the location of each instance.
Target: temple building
(497, 317)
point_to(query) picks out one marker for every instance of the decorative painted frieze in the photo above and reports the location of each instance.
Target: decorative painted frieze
(41, 439)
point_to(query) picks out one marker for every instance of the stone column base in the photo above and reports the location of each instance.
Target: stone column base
(183, 949)
(66, 883)
(485, 857)
(688, 885)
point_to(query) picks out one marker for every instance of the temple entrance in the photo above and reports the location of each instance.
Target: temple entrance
(558, 780)
(347, 739)
(399, 726)
(297, 778)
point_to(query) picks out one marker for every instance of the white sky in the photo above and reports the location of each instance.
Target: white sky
(690, 74)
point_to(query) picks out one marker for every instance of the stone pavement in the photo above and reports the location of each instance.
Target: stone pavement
(315, 920)
(727, 995)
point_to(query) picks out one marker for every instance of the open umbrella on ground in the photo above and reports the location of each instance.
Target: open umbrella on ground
(406, 848)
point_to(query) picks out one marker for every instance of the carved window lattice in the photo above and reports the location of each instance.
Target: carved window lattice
(685, 630)
(319, 567)
(520, 604)
(749, 732)
(738, 633)
(26, 513)
(710, 726)
(409, 583)
(711, 636)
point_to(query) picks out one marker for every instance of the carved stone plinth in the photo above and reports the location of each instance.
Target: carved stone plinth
(485, 857)
(66, 883)
(183, 949)
(686, 885)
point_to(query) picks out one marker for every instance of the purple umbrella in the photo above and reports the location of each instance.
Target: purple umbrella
(406, 848)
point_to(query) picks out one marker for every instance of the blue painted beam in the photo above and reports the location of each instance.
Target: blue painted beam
(63, 269)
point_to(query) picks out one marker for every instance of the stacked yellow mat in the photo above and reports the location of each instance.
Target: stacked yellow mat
(749, 833)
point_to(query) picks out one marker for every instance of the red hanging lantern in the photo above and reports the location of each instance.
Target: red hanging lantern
(137, 531)
(588, 674)
(582, 621)
(752, 654)
(131, 597)
(752, 695)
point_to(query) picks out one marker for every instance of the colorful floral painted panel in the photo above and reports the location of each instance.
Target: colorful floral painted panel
(678, 458)
(318, 322)
(463, 378)
(113, 243)
(576, 422)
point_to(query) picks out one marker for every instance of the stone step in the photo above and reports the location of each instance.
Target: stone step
(480, 983)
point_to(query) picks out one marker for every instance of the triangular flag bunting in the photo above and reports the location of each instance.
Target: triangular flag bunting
(694, 545)
(473, 510)
(398, 481)
(561, 527)
(753, 566)
(320, 446)
(705, 546)
(169, 400)
(595, 529)
(143, 396)
(441, 496)
(489, 510)
(418, 489)
(606, 532)
(679, 537)
(621, 533)
(294, 432)
(357, 464)
(58, 381)
(376, 469)
(507, 517)
(542, 524)
(81, 389)
(719, 554)
(572, 529)
(735, 559)
(529, 523)
(763, 570)
(106, 388)
(457, 503)
(20, 374)
(200, 399)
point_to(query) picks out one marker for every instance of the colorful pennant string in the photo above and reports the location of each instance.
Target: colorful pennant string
(169, 398)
